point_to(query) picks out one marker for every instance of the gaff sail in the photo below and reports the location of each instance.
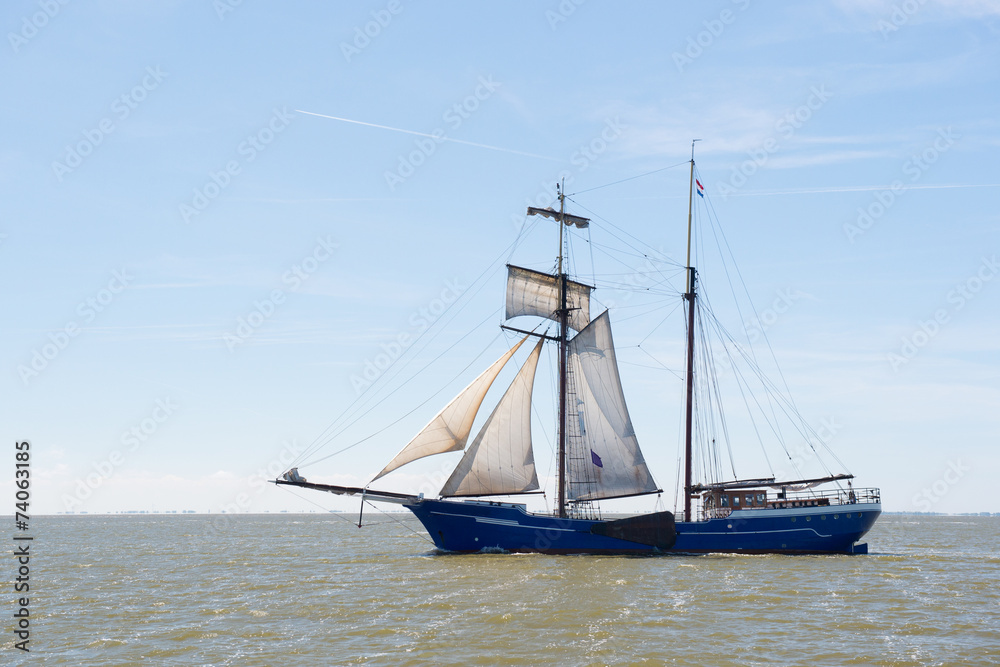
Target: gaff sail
(603, 457)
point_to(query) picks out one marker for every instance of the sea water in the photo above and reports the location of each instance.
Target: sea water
(314, 589)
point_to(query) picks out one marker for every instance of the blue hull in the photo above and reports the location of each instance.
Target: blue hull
(473, 526)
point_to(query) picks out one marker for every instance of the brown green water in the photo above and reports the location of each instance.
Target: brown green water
(315, 590)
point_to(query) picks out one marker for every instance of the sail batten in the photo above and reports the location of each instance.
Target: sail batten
(449, 430)
(602, 445)
(500, 460)
(535, 293)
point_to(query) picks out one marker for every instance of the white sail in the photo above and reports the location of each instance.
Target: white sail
(450, 428)
(536, 293)
(603, 457)
(500, 460)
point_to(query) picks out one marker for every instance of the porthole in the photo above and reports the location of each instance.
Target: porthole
(836, 516)
(809, 518)
(847, 516)
(793, 519)
(822, 517)
(729, 525)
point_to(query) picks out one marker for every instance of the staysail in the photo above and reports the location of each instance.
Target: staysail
(500, 460)
(536, 293)
(450, 428)
(603, 457)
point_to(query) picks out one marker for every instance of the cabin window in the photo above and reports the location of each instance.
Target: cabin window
(760, 498)
(736, 501)
(748, 499)
(725, 501)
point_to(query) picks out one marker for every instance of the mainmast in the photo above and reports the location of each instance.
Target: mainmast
(563, 319)
(689, 296)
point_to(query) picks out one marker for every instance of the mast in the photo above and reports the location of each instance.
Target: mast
(689, 296)
(563, 318)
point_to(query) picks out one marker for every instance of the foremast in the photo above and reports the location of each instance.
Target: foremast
(689, 296)
(563, 313)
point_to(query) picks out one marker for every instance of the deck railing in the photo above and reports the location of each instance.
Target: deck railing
(801, 499)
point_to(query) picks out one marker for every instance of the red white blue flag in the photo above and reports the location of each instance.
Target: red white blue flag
(701, 188)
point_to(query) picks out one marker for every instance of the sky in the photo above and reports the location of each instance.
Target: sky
(219, 219)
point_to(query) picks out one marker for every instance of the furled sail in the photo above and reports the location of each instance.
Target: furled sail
(536, 293)
(603, 456)
(500, 460)
(450, 428)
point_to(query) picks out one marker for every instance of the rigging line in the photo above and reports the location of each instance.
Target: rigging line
(793, 416)
(787, 406)
(714, 384)
(656, 252)
(326, 436)
(593, 267)
(428, 399)
(716, 228)
(740, 383)
(638, 254)
(326, 510)
(422, 536)
(662, 365)
(642, 314)
(747, 292)
(418, 346)
(654, 368)
(630, 178)
(676, 306)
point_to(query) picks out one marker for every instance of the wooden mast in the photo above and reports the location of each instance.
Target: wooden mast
(563, 319)
(689, 296)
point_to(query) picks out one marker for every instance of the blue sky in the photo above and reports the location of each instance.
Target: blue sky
(160, 187)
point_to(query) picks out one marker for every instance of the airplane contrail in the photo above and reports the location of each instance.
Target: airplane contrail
(431, 136)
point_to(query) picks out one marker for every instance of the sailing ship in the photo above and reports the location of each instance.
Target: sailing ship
(598, 453)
